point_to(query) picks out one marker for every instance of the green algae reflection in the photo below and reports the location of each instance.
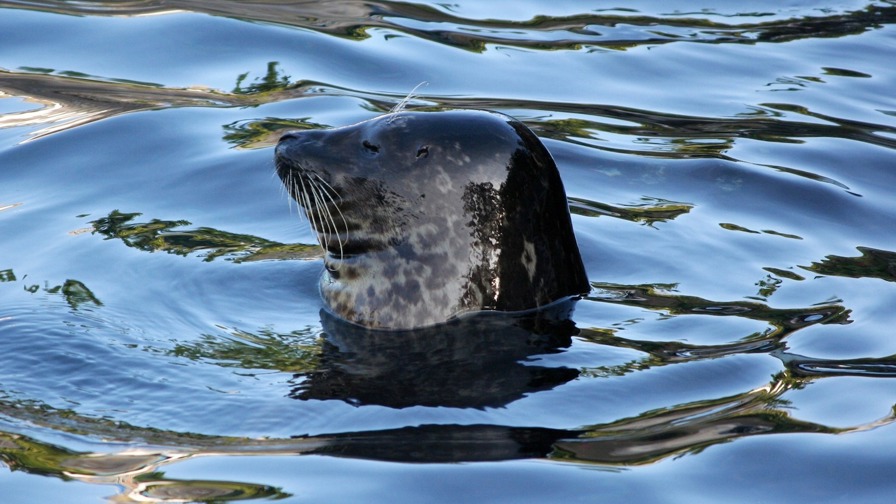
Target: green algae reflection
(873, 263)
(157, 235)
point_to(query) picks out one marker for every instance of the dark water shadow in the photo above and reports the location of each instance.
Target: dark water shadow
(474, 362)
(782, 322)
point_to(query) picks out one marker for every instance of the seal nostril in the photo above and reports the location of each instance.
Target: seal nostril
(371, 147)
(423, 151)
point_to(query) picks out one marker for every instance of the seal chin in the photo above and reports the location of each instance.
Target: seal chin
(426, 216)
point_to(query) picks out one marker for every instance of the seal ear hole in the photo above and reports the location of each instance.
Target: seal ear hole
(373, 148)
(423, 151)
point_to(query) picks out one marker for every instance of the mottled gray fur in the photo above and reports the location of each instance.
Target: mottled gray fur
(429, 215)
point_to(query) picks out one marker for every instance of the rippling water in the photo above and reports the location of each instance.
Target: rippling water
(730, 172)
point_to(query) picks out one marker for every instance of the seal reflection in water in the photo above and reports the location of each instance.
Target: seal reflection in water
(481, 361)
(426, 216)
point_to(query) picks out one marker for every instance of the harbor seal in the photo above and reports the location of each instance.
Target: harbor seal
(427, 216)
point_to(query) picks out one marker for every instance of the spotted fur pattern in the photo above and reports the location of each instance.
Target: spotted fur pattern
(429, 215)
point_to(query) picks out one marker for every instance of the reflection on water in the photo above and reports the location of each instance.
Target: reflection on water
(648, 212)
(74, 292)
(694, 427)
(445, 24)
(168, 236)
(68, 102)
(68, 99)
(474, 362)
(428, 367)
(872, 263)
(135, 472)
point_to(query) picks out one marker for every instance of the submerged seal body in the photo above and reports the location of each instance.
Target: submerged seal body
(429, 215)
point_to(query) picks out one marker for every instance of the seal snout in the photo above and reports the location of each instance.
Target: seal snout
(289, 151)
(298, 140)
(285, 142)
(290, 140)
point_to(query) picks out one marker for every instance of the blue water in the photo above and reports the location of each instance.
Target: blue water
(730, 173)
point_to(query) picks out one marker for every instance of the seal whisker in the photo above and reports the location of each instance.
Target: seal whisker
(326, 217)
(400, 106)
(332, 195)
(320, 212)
(319, 216)
(326, 185)
(320, 197)
(290, 187)
(309, 212)
(299, 196)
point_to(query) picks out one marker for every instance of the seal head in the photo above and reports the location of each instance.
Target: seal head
(426, 216)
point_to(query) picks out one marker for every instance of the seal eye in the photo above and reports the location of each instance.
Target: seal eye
(372, 148)
(423, 151)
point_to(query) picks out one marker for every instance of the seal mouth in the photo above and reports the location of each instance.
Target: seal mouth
(342, 249)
